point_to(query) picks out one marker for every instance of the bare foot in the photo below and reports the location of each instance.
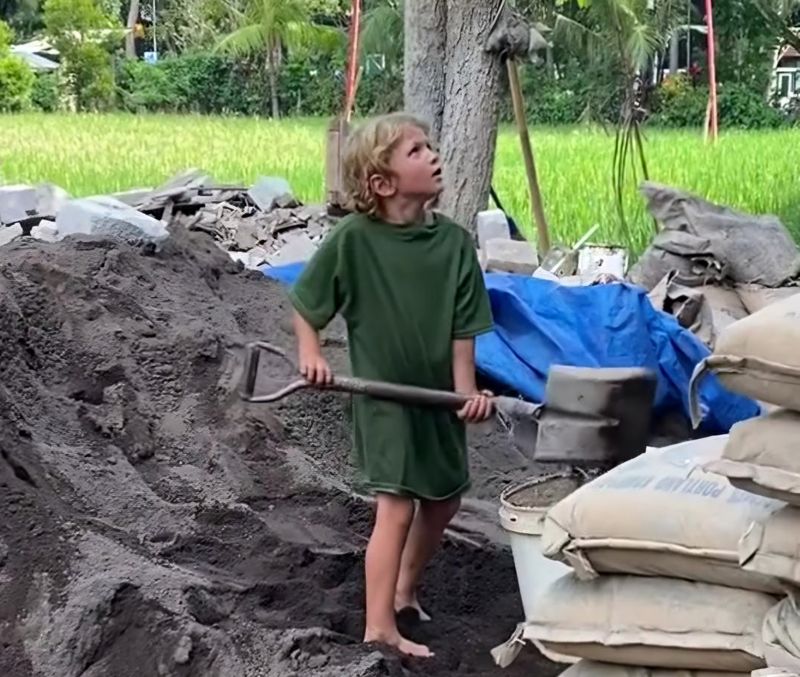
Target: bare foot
(397, 641)
(401, 603)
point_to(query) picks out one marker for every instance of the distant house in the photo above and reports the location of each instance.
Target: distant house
(38, 54)
(786, 82)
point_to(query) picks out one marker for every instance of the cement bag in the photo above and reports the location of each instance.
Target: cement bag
(781, 635)
(762, 456)
(592, 669)
(758, 356)
(771, 547)
(652, 622)
(660, 514)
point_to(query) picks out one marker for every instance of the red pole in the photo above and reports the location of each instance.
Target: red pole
(712, 72)
(352, 59)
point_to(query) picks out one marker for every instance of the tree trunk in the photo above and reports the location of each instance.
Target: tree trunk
(469, 123)
(674, 52)
(453, 83)
(272, 72)
(424, 61)
(130, 37)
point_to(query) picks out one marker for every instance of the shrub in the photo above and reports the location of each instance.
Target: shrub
(46, 93)
(16, 84)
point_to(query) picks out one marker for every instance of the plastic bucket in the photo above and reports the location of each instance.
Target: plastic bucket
(522, 517)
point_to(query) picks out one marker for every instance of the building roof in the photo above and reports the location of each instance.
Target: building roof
(36, 61)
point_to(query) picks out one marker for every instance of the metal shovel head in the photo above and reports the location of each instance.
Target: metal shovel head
(595, 416)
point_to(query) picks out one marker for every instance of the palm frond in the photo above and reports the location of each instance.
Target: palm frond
(382, 31)
(575, 36)
(244, 41)
(307, 36)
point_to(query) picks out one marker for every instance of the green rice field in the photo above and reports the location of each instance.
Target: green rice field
(91, 154)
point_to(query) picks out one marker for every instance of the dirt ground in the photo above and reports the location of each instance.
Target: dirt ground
(153, 524)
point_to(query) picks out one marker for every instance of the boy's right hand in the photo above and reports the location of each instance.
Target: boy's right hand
(314, 367)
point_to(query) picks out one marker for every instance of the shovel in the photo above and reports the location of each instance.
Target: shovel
(597, 416)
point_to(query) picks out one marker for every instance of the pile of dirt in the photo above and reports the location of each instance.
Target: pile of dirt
(153, 524)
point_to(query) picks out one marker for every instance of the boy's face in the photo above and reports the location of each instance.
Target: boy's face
(415, 167)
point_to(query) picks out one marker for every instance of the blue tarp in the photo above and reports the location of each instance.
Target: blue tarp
(539, 323)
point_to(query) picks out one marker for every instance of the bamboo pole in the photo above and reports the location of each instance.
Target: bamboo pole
(713, 123)
(537, 206)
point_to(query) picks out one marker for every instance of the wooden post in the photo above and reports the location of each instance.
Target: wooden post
(713, 124)
(537, 207)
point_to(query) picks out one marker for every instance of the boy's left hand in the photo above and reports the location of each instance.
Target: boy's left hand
(479, 408)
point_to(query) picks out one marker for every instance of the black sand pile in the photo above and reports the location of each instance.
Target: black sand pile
(154, 525)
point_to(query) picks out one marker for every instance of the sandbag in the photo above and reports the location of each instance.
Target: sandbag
(762, 457)
(593, 669)
(758, 356)
(661, 514)
(755, 297)
(652, 622)
(781, 636)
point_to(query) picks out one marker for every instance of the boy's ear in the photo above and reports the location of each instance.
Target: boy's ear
(382, 186)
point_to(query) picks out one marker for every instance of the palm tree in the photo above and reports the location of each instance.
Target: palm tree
(275, 25)
(631, 33)
(382, 31)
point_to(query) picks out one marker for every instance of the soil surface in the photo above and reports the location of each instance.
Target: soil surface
(155, 525)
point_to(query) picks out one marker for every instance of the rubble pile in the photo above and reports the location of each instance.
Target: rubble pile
(261, 225)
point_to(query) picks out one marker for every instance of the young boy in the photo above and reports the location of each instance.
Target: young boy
(410, 289)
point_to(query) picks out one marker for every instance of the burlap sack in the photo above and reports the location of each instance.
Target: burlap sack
(762, 456)
(661, 514)
(652, 622)
(592, 669)
(781, 636)
(758, 356)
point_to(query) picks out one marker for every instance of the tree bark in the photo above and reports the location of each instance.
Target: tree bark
(424, 61)
(130, 37)
(469, 123)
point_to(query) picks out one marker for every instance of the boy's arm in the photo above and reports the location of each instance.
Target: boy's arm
(479, 408)
(312, 364)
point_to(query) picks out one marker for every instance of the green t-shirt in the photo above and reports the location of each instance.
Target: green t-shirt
(405, 292)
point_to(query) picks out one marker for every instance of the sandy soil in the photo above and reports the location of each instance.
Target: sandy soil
(153, 524)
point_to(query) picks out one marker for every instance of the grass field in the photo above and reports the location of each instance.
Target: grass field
(87, 154)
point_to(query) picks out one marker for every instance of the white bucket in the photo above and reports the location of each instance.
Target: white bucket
(524, 524)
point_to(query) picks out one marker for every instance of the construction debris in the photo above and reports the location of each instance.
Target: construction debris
(510, 256)
(262, 225)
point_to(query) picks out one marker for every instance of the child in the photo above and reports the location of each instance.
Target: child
(409, 287)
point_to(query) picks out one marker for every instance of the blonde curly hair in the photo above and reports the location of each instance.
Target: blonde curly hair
(368, 151)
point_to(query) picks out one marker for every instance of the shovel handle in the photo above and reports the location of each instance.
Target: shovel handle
(405, 394)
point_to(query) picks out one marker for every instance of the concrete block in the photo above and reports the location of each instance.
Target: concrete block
(46, 231)
(268, 190)
(51, 199)
(17, 203)
(510, 256)
(492, 225)
(9, 233)
(103, 215)
(298, 248)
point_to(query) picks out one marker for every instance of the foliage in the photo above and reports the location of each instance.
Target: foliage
(84, 33)
(274, 25)
(46, 95)
(16, 83)
(680, 103)
(6, 37)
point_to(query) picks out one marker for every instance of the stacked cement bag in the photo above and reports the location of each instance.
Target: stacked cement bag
(657, 583)
(759, 356)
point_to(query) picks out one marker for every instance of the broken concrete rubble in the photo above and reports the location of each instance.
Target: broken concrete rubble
(105, 215)
(28, 205)
(510, 256)
(492, 224)
(10, 233)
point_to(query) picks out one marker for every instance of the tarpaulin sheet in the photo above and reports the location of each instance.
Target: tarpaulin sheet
(539, 323)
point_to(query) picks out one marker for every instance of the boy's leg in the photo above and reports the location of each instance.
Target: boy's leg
(392, 521)
(426, 531)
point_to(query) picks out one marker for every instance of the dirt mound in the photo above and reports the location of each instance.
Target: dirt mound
(155, 525)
